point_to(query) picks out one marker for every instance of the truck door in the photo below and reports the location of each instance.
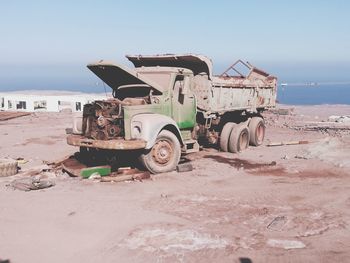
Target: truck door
(183, 103)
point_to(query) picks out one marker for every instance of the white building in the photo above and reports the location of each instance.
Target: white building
(46, 101)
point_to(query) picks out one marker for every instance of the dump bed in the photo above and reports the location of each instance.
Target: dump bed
(255, 91)
(241, 87)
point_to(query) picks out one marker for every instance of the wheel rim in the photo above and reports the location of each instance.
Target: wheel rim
(162, 152)
(243, 140)
(260, 133)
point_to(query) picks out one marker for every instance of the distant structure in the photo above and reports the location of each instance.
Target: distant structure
(12, 101)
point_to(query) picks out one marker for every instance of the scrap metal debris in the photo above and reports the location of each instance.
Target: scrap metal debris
(28, 184)
(77, 169)
(137, 176)
(57, 163)
(103, 173)
(72, 166)
(36, 170)
(21, 160)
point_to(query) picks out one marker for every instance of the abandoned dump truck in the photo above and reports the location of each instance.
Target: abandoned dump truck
(170, 104)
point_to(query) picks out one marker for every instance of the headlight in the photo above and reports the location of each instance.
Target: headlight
(136, 129)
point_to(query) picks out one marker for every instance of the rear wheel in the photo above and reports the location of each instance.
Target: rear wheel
(239, 139)
(165, 154)
(256, 131)
(225, 136)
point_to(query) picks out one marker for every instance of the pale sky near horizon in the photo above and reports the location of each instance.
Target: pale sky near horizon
(46, 44)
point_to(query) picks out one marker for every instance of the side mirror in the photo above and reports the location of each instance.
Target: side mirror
(186, 85)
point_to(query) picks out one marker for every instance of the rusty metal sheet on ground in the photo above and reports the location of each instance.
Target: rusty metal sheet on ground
(73, 166)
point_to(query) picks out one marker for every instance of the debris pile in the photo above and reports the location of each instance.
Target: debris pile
(8, 167)
(340, 119)
(31, 183)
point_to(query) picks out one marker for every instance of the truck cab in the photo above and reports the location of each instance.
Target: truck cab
(146, 102)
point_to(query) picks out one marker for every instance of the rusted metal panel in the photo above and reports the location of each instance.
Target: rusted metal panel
(115, 75)
(118, 144)
(196, 63)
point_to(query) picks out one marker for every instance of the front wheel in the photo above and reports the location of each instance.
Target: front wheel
(165, 154)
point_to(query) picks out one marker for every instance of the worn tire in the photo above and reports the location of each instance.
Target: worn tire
(165, 154)
(239, 139)
(8, 167)
(225, 136)
(256, 131)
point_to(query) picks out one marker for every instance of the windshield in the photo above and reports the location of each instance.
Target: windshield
(134, 91)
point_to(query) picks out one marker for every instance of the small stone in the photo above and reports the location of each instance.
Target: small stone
(95, 176)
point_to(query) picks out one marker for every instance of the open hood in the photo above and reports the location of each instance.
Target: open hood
(196, 63)
(115, 75)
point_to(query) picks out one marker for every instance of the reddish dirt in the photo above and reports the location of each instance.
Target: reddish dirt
(7, 115)
(266, 204)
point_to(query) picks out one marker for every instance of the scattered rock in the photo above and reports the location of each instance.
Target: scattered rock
(340, 119)
(184, 167)
(277, 223)
(301, 157)
(286, 157)
(72, 213)
(94, 176)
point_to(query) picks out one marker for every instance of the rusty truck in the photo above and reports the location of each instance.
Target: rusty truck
(168, 105)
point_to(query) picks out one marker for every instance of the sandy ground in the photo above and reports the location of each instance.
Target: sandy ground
(267, 204)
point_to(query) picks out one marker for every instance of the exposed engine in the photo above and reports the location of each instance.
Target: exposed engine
(103, 120)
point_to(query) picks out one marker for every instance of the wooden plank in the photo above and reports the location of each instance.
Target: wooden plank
(286, 143)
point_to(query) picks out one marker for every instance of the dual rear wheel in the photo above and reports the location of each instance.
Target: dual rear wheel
(237, 137)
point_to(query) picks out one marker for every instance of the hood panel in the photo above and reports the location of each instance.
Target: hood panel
(196, 63)
(115, 75)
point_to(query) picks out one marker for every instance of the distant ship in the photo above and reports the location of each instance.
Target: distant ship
(284, 84)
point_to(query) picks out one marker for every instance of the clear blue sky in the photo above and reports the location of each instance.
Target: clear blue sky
(46, 44)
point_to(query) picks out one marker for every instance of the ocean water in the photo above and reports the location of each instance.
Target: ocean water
(314, 95)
